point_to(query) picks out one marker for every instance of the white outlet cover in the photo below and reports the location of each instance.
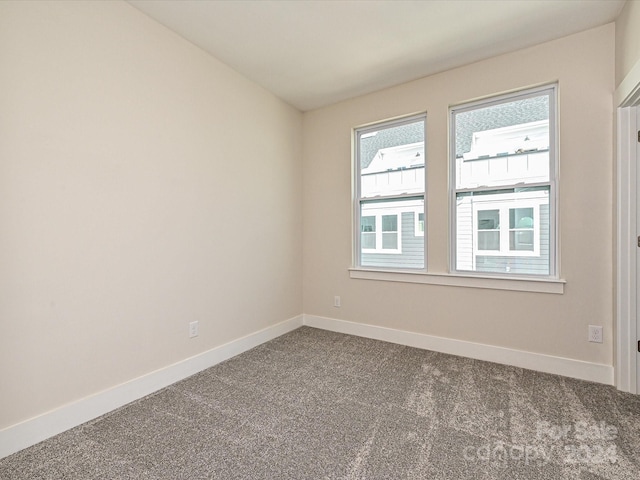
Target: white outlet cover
(595, 333)
(193, 329)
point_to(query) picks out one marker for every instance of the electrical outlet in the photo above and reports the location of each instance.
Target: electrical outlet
(193, 329)
(336, 301)
(595, 333)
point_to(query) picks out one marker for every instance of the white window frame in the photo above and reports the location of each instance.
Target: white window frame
(364, 132)
(552, 92)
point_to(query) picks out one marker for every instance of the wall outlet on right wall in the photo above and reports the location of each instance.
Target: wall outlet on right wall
(595, 333)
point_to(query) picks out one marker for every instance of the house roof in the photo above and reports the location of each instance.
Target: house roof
(498, 116)
(387, 138)
(467, 123)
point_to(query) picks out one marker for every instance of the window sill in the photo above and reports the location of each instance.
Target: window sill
(542, 285)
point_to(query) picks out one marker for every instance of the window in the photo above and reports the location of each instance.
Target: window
(419, 223)
(503, 165)
(379, 232)
(507, 229)
(390, 194)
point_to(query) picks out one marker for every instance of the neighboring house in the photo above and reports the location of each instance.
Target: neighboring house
(505, 231)
(392, 233)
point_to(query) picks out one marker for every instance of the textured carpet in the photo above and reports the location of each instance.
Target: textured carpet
(314, 404)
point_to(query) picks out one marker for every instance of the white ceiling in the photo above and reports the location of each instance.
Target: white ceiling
(313, 53)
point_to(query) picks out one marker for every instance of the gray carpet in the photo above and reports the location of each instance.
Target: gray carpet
(314, 404)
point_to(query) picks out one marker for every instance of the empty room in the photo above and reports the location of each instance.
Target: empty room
(345, 239)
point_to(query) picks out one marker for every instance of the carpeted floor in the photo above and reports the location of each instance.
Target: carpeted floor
(314, 404)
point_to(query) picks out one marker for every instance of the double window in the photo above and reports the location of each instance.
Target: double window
(502, 185)
(507, 229)
(379, 232)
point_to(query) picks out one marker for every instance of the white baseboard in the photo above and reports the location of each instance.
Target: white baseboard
(567, 367)
(37, 429)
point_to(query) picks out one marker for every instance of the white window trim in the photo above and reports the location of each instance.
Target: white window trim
(485, 281)
(554, 263)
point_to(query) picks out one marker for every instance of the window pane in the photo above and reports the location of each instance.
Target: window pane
(503, 144)
(392, 160)
(521, 218)
(389, 240)
(521, 234)
(503, 166)
(491, 245)
(488, 229)
(368, 241)
(390, 193)
(368, 229)
(368, 224)
(396, 244)
(488, 219)
(389, 223)
(521, 240)
(489, 240)
(389, 232)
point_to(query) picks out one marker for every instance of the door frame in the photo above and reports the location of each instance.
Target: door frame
(627, 103)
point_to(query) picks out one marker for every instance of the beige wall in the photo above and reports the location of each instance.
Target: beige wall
(627, 39)
(143, 185)
(583, 64)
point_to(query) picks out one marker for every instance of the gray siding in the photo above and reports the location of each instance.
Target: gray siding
(464, 233)
(412, 255)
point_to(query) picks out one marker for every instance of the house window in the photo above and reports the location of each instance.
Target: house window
(503, 163)
(390, 194)
(419, 223)
(379, 233)
(507, 228)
